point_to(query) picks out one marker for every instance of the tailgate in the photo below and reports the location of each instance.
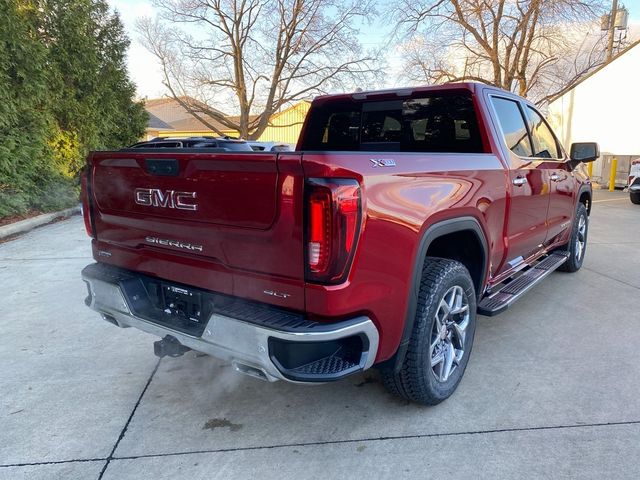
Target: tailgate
(177, 214)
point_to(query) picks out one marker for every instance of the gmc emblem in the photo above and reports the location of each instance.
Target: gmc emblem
(154, 197)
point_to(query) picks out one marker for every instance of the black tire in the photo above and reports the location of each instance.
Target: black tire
(574, 262)
(417, 380)
(635, 197)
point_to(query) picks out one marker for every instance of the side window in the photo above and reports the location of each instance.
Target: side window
(544, 143)
(513, 126)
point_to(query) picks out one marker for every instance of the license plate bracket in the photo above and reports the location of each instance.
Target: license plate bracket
(182, 303)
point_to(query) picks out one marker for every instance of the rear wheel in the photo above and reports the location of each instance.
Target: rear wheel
(577, 245)
(442, 337)
(635, 197)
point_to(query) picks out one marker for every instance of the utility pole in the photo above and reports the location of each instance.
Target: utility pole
(612, 29)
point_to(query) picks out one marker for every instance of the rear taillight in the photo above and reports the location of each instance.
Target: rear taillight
(86, 202)
(333, 219)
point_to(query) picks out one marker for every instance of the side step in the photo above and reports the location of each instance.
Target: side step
(499, 301)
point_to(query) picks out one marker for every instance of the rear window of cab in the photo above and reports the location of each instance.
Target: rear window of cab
(434, 123)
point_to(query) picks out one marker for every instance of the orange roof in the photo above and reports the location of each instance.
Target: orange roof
(169, 110)
(193, 124)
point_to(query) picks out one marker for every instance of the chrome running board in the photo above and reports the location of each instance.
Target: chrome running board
(498, 301)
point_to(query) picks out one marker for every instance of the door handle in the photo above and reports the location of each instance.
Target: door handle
(554, 177)
(519, 181)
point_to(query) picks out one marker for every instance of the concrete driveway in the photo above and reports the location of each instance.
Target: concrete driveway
(552, 389)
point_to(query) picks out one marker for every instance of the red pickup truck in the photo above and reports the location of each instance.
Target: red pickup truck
(400, 216)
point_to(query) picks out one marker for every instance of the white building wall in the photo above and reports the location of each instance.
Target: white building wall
(604, 108)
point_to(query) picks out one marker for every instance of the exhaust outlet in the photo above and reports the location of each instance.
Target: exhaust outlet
(110, 318)
(249, 370)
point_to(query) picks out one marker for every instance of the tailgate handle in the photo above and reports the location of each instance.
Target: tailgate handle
(163, 167)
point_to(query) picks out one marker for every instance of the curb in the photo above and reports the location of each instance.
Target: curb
(30, 223)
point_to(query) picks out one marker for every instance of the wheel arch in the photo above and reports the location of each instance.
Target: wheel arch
(441, 230)
(585, 197)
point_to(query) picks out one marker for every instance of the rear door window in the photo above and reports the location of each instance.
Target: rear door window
(437, 123)
(513, 126)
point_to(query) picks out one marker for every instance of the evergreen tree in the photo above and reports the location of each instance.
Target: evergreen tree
(94, 106)
(24, 112)
(64, 90)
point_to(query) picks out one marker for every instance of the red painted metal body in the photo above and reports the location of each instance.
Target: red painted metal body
(250, 219)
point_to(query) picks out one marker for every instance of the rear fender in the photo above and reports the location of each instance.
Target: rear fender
(432, 233)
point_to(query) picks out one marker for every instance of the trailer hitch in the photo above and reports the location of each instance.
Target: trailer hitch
(169, 346)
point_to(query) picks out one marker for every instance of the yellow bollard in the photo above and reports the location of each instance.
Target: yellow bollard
(612, 174)
(590, 169)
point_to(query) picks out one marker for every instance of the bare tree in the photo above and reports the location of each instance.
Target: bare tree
(255, 55)
(532, 47)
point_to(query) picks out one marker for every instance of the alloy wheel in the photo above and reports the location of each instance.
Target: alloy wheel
(581, 238)
(448, 333)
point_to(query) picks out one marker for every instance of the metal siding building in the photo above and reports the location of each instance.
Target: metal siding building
(285, 126)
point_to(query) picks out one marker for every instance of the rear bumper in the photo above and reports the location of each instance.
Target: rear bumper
(259, 340)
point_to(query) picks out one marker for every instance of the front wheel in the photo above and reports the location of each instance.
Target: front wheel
(577, 245)
(442, 337)
(635, 197)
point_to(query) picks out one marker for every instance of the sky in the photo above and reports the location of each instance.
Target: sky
(145, 72)
(144, 68)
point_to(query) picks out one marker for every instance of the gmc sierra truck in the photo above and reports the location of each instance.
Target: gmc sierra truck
(634, 182)
(401, 215)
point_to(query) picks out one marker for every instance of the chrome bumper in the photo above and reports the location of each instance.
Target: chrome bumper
(245, 345)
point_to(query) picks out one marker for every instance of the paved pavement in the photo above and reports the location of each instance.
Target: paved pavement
(552, 389)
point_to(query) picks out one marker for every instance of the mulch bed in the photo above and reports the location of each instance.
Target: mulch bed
(16, 218)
